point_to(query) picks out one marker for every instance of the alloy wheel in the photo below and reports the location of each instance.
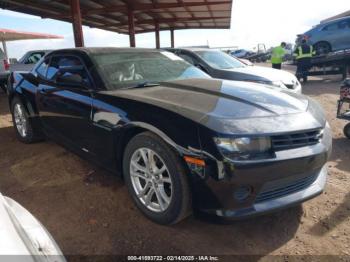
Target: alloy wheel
(151, 179)
(20, 120)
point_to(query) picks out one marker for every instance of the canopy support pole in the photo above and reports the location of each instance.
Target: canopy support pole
(76, 23)
(172, 38)
(131, 28)
(157, 35)
(5, 48)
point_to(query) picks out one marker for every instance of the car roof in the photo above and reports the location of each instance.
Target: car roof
(334, 20)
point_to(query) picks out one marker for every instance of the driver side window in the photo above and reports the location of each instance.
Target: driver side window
(67, 67)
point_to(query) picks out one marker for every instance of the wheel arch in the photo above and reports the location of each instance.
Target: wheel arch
(135, 128)
(27, 105)
(322, 41)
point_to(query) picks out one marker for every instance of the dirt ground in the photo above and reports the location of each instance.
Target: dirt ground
(88, 211)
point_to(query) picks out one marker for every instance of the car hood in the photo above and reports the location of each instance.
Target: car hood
(264, 73)
(216, 103)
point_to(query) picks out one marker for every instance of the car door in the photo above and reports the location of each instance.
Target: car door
(65, 103)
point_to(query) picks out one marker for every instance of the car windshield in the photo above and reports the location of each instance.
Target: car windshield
(219, 60)
(136, 69)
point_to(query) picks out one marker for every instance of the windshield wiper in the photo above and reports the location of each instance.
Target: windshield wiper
(143, 84)
(147, 84)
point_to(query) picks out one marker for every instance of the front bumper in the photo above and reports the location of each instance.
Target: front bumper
(291, 177)
(315, 189)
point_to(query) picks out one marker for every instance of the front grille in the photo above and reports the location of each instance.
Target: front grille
(278, 189)
(297, 139)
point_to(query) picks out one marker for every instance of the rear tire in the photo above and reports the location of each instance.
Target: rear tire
(22, 123)
(164, 198)
(346, 130)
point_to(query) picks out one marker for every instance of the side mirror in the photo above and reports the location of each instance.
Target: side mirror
(70, 79)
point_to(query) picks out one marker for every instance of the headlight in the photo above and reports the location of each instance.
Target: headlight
(244, 148)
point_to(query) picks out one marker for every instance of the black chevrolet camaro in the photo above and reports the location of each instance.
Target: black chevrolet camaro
(180, 139)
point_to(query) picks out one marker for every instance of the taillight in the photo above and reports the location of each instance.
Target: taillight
(6, 64)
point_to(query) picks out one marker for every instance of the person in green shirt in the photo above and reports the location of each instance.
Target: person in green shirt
(277, 56)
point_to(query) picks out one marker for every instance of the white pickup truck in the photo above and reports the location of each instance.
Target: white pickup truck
(26, 63)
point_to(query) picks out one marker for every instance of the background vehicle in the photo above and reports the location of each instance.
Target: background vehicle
(223, 66)
(28, 60)
(23, 236)
(329, 36)
(182, 139)
(26, 63)
(241, 53)
(4, 67)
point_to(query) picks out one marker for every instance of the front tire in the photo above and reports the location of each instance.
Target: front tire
(156, 179)
(22, 123)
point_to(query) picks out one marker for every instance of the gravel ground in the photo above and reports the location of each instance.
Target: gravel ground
(88, 210)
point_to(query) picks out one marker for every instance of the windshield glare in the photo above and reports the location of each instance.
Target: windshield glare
(129, 69)
(219, 60)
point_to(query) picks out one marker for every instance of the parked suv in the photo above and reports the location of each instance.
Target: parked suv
(329, 36)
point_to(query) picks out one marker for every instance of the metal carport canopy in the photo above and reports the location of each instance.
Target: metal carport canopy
(130, 17)
(13, 35)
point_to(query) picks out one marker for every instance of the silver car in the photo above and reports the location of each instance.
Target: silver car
(329, 36)
(23, 236)
(219, 65)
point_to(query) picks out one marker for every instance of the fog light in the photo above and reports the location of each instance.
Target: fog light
(242, 193)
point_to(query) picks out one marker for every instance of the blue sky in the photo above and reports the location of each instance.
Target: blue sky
(253, 22)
